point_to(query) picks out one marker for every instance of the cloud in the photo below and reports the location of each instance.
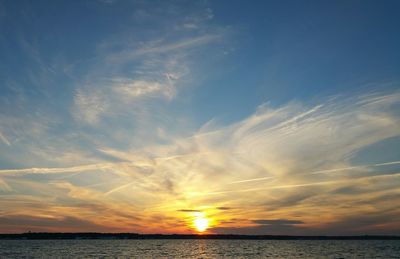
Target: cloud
(130, 74)
(157, 71)
(126, 147)
(25, 223)
(271, 229)
(187, 210)
(277, 222)
(4, 139)
(158, 48)
(142, 88)
(4, 186)
(224, 208)
(107, 1)
(89, 106)
(374, 224)
(279, 167)
(57, 170)
(190, 26)
(117, 95)
(264, 227)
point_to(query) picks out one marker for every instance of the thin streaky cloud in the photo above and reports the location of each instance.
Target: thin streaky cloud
(57, 170)
(253, 180)
(355, 167)
(118, 188)
(323, 171)
(289, 186)
(129, 55)
(4, 139)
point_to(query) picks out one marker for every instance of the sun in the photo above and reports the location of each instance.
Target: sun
(201, 224)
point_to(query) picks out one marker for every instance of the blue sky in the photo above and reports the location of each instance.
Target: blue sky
(102, 99)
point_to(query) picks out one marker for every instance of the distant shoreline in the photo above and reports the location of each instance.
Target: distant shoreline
(110, 236)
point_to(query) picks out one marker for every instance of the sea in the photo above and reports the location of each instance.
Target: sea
(199, 248)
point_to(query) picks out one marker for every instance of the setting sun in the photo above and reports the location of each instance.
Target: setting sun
(201, 224)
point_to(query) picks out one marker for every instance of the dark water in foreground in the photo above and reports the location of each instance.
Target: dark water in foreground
(200, 248)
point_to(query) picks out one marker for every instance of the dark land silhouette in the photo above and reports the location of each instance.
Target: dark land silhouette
(91, 235)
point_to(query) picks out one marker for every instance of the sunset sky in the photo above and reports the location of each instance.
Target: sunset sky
(242, 117)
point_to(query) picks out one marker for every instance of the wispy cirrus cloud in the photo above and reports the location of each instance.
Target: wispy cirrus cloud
(158, 47)
(121, 86)
(137, 74)
(158, 69)
(89, 106)
(286, 160)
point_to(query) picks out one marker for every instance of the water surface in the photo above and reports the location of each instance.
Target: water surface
(200, 248)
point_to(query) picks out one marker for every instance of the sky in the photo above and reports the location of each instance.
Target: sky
(244, 117)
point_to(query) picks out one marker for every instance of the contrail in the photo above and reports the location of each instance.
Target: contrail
(59, 170)
(4, 139)
(253, 180)
(118, 188)
(300, 185)
(355, 167)
(321, 171)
